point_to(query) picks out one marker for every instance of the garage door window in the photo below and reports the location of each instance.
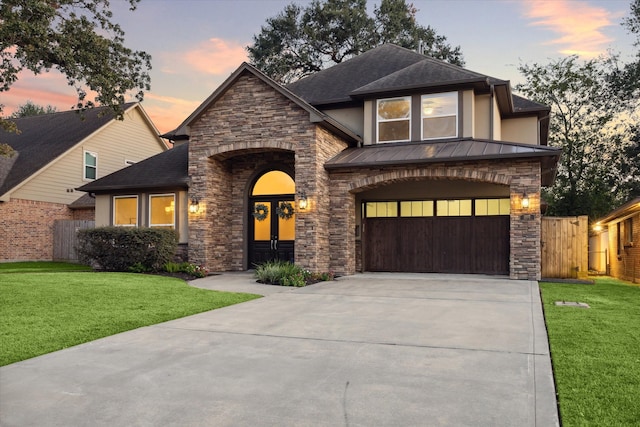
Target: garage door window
(381, 209)
(416, 208)
(490, 207)
(453, 207)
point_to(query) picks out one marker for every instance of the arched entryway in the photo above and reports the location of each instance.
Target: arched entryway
(272, 218)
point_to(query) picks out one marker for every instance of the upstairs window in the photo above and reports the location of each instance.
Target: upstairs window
(90, 165)
(125, 211)
(439, 115)
(394, 119)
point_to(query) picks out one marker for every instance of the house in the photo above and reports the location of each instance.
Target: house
(390, 161)
(614, 245)
(52, 155)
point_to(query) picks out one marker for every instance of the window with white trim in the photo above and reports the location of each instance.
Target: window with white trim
(90, 166)
(162, 210)
(439, 115)
(125, 211)
(394, 119)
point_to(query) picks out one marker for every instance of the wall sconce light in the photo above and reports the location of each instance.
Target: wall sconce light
(302, 201)
(597, 227)
(525, 200)
(194, 205)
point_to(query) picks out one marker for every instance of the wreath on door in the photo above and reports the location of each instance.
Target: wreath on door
(260, 211)
(285, 210)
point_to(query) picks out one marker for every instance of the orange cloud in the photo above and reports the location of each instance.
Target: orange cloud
(216, 56)
(44, 89)
(167, 112)
(578, 23)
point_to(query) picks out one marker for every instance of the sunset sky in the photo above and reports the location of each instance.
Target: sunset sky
(196, 44)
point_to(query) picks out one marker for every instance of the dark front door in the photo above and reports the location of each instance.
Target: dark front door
(272, 232)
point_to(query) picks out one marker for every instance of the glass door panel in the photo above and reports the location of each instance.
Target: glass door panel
(262, 224)
(287, 226)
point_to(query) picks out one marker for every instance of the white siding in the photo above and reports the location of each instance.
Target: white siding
(131, 139)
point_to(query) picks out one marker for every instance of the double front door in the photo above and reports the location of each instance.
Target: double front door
(272, 231)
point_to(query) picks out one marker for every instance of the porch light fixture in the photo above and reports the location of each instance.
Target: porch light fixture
(302, 201)
(194, 205)
(525, 200)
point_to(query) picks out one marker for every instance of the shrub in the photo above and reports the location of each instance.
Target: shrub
(194, 270)
(126, 249)
(288, 274)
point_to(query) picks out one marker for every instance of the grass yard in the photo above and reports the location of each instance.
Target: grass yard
(44, 308)
(595, 352)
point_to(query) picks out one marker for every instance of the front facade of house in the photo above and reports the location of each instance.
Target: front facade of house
(617, 241)
(390, 161)
(52, 155)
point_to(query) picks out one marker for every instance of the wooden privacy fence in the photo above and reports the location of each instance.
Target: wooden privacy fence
(65, 238)
(565, 247)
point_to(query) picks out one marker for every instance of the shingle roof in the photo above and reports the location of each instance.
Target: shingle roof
(167, 170)
(45, 137)
(386, 68)
(333, 85)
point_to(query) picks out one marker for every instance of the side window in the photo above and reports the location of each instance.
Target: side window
(394, 119)
(90, 165)
(125, 211)
(439, 115)
(628, 231)
(162, 210)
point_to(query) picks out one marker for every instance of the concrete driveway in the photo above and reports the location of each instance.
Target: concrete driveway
(365, 350)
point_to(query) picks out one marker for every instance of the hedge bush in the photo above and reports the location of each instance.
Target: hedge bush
(126, 249)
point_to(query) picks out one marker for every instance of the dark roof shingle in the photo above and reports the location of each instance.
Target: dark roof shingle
(43, 138)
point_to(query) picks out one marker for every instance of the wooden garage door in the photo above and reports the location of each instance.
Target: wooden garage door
(447, 244)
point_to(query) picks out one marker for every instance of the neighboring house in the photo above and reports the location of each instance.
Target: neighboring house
(390, 161)
(614, 245)
(54, 154)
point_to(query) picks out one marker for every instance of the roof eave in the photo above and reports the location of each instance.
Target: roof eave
(330, 166)
(412, 88)
(629, 208)
(118, 188)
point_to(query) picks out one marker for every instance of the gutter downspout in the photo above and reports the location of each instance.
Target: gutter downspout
(491, 96)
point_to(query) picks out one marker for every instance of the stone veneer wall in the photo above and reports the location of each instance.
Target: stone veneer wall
(27, 229)
(626, 264)
(249, 127)
(521, 176)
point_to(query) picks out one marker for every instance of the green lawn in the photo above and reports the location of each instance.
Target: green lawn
(595, 352)
(41, 312)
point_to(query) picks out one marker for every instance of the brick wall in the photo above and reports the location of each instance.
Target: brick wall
(625, 263)
(27, 229)
(84, 214)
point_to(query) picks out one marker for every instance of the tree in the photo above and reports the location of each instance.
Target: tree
(589, 125)
(78, 38)
(298, 42)
(31, 109)
(625, 81)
